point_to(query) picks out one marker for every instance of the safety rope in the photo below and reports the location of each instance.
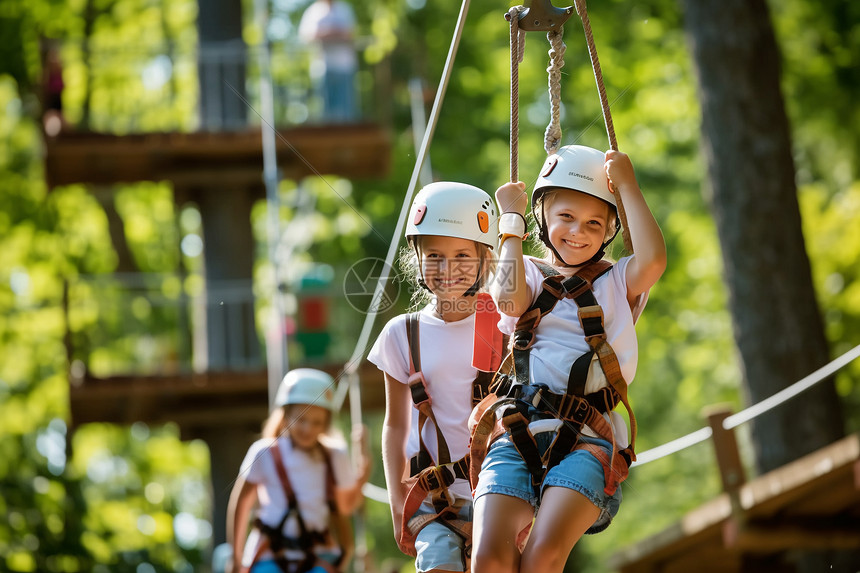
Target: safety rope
(518, 43)
(607, 115)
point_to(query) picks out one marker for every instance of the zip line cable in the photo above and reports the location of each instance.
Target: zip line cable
(751, 412)
(351, 367)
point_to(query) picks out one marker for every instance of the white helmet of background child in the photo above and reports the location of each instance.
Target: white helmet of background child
(575, 167)
(449, 209)
(306, 386)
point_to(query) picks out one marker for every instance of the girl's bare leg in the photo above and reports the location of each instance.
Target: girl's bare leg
(498, 519)
(564, 516)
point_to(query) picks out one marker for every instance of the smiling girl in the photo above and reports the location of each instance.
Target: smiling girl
(564, 451)
(430, 380)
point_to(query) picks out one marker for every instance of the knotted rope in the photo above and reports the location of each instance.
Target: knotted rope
(552, 136)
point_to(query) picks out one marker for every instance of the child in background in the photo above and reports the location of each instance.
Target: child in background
(572, 316)
(301, 481)
(430, 379)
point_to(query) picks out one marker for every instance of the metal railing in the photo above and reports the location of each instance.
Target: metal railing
(149, 324)
(170, 87)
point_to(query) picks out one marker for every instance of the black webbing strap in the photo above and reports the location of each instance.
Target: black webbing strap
(517, 426)
(578, 376)
(481, 387)
(554, 288)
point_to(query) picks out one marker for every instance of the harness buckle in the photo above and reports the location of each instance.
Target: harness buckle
(523, 339)
(418, 388)
(591, 318)
(531, 394)
(438, 477)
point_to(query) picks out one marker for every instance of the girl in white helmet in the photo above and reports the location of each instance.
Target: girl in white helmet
(302, 483)
(431, 378)
(562, 448)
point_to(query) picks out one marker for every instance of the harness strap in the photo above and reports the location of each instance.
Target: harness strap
(428, 478)
(555, 287)
(274, 538)
(528, 402)
(517, 426)
(420, 396)
(433, 481)
(292, 502)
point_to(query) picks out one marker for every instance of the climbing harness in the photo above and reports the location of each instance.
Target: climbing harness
(279, 544)
(543, 16)
(429, 478)
(522, 408)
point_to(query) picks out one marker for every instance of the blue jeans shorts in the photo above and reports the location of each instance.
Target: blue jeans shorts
(438, 547)
(269, 565)
(505, 472)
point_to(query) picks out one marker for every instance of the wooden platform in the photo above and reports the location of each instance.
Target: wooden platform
(193, 401)
(206, 159)
(812, 503)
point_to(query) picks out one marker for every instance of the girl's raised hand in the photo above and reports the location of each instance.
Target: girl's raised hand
(619, 170)
(512, 198)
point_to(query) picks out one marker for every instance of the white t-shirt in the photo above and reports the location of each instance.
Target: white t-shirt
(322, 18)
(446, 361)
(307, 474)
(559, 338)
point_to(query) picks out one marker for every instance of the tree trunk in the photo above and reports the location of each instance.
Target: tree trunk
(747, 146)
(753, 197)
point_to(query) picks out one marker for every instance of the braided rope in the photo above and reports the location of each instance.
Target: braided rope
(518, 44)
(552, 136)
(607, 115)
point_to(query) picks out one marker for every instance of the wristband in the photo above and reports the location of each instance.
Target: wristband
(505, 236)
(512, 224)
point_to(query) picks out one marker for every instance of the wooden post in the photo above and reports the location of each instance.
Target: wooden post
(731, 470)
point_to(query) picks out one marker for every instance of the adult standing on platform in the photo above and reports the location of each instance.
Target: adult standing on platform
(330, 26)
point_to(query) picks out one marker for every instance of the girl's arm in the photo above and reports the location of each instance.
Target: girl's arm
(649, 258)
(395, 430)
(508, 288)
(243, 497)
(350, 498)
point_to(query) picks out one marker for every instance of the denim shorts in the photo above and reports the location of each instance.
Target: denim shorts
(438, 547)
(269, 565)
(505, 472)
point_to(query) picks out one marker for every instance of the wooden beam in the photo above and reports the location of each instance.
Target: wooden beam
(776, 537)
(193, 400)
(225, 159)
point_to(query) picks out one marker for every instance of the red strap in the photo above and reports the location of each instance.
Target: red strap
(282, 474)
(488, 347)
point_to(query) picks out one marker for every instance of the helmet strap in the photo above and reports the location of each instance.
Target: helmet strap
(473, 290)
(421, 281)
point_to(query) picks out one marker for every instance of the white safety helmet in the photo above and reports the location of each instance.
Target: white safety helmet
(575, 167)
(449, 209)
(578, 168)
(306, 386)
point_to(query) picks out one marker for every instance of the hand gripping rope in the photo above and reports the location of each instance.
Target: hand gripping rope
(542, 15)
